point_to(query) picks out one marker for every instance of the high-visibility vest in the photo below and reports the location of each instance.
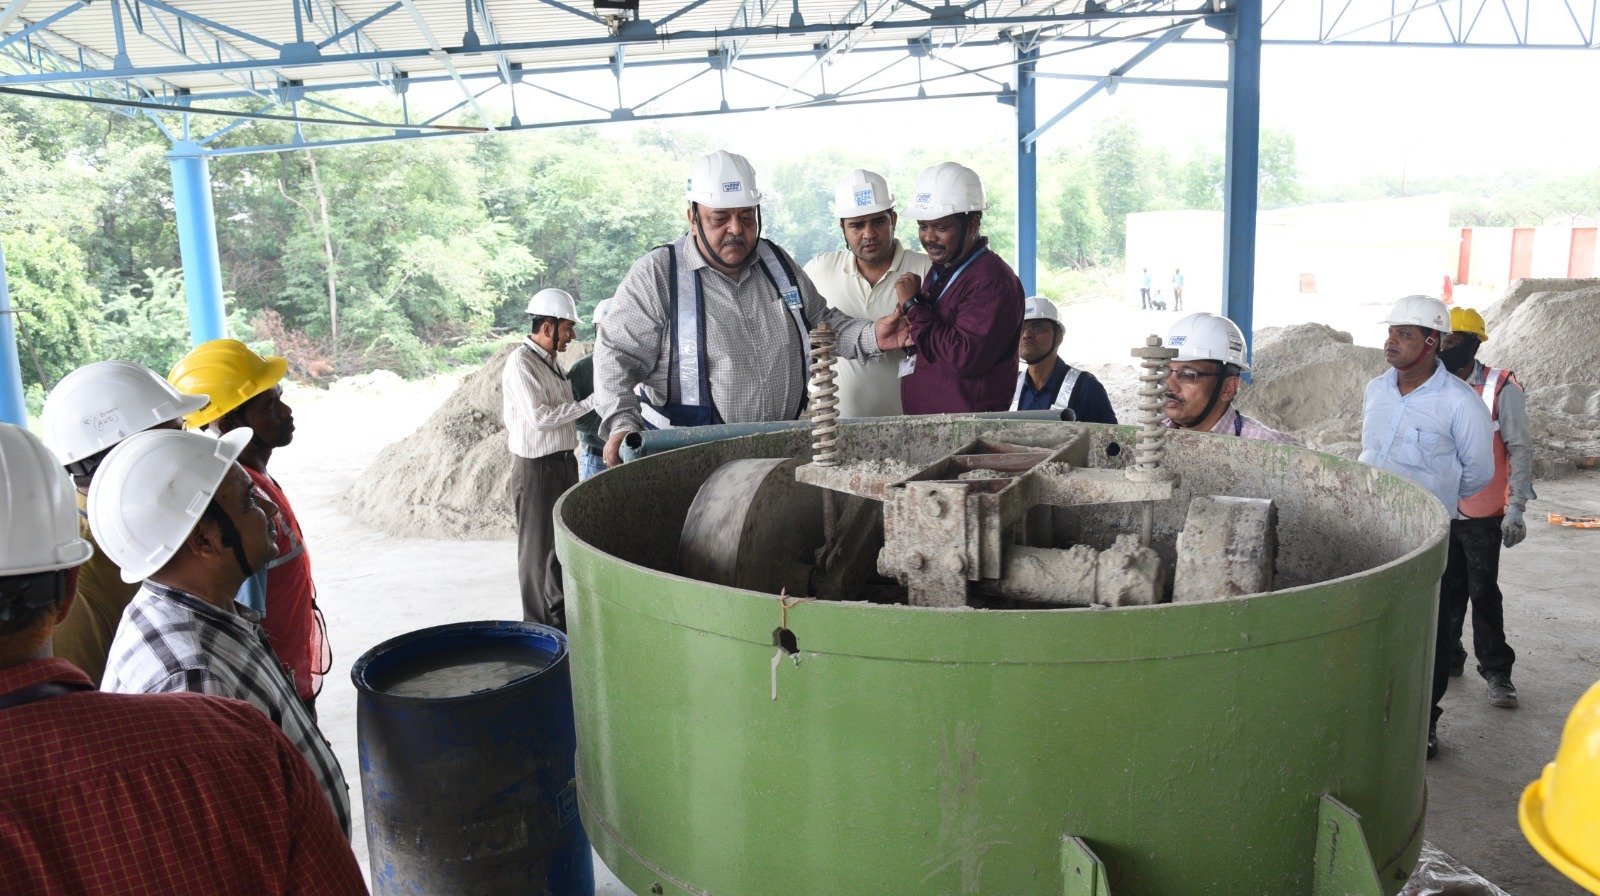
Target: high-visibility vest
(1492, 499)
(1062, 396)
(688, 401)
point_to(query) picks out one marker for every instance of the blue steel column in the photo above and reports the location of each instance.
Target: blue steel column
(1240, 180)
(1027, 171)
(12, 408)
(197, 241)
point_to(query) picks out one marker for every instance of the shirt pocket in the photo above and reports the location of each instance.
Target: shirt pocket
(1421, 449)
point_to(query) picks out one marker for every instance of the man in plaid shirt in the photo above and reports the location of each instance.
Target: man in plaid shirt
(123, 793)
(176, 511)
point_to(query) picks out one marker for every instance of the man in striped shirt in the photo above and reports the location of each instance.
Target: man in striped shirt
(176, 511)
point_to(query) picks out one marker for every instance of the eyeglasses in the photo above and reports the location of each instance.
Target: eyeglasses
(1189, 375)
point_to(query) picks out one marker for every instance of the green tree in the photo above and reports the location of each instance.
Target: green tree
(1125, 183)
(148, 323)
(58, 312)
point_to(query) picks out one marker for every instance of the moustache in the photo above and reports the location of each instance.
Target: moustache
(734, 241)
(1169, 396)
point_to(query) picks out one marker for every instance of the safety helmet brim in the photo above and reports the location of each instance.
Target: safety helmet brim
(1530, 817)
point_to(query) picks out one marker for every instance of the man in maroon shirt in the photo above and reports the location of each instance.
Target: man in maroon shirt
(966, 316)
(132, 793)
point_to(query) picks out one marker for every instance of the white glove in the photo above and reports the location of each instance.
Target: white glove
(1512, 528)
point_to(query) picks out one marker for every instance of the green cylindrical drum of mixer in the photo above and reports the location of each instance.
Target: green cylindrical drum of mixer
(906, 751)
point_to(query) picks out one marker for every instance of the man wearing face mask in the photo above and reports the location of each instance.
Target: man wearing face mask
(1204, 378)
(177, 512)
(1421, 422)
(1489, 519)
(966, 317)
(715, 326)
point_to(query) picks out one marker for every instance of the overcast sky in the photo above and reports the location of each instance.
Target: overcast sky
(1353, 111)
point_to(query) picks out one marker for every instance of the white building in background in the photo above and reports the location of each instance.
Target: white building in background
(1310, 260)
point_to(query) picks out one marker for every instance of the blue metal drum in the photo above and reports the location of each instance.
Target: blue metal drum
(467, 751)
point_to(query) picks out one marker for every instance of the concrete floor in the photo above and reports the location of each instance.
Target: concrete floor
(374, 587)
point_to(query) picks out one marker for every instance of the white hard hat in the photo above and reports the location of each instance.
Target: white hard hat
(600, 311)
(862, 192)
(1040, 308)
(152, 489)
(722, 180)
(946, 189)
(553, 302)
(1207, 337)
(100, 404)
(1420, 311)
(41, 514)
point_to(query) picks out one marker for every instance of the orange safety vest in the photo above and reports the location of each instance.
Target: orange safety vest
(1493, 498)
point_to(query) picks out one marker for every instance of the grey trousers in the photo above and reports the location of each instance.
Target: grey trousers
(536, 484)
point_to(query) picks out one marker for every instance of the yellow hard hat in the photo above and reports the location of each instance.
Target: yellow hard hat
(1560, 812)
(1465, 320)
(229, 372)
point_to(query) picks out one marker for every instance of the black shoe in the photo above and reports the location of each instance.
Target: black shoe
(1458, 665)
(1501, 691)
(1433, 741)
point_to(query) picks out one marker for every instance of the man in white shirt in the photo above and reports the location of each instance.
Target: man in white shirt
(540, 415)
(1423, 423)
(859, 280)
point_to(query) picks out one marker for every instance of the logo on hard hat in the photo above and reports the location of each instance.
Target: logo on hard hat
(732, 186)
(864, 197)
(925, 197)
(1177, 340)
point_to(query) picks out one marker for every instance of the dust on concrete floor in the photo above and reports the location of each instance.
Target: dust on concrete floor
(373, 587)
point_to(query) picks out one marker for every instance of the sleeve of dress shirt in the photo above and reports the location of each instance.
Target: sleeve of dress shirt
(628, 345)
(986, 321)
(1519, 443)
(522, 399)
(1473, 433)
(857, 340)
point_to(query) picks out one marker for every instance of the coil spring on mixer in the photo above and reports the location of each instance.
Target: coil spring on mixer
(824, 398)
(1151, 444)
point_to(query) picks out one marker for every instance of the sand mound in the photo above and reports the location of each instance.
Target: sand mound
(1519, 291)
(1550, 338)
(1309, 379)
(452, 477)
(1548, 332)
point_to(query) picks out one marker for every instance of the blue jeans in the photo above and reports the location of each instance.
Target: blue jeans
(590, 462)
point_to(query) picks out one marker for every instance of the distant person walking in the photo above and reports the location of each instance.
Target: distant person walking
(1144, 289)
(540, 412)
(1177, 289)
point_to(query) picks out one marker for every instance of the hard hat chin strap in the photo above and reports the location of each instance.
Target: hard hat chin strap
(230, 537)
(705, 241)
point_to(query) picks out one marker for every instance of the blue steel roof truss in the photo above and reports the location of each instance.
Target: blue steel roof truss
(286, 62)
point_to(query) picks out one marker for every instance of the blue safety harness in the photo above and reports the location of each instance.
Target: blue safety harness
(688, 401)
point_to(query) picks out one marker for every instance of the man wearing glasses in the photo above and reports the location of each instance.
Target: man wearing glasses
(1047, 383)
(1203, 380)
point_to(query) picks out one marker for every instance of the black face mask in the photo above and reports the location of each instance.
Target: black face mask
(1461, 354)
